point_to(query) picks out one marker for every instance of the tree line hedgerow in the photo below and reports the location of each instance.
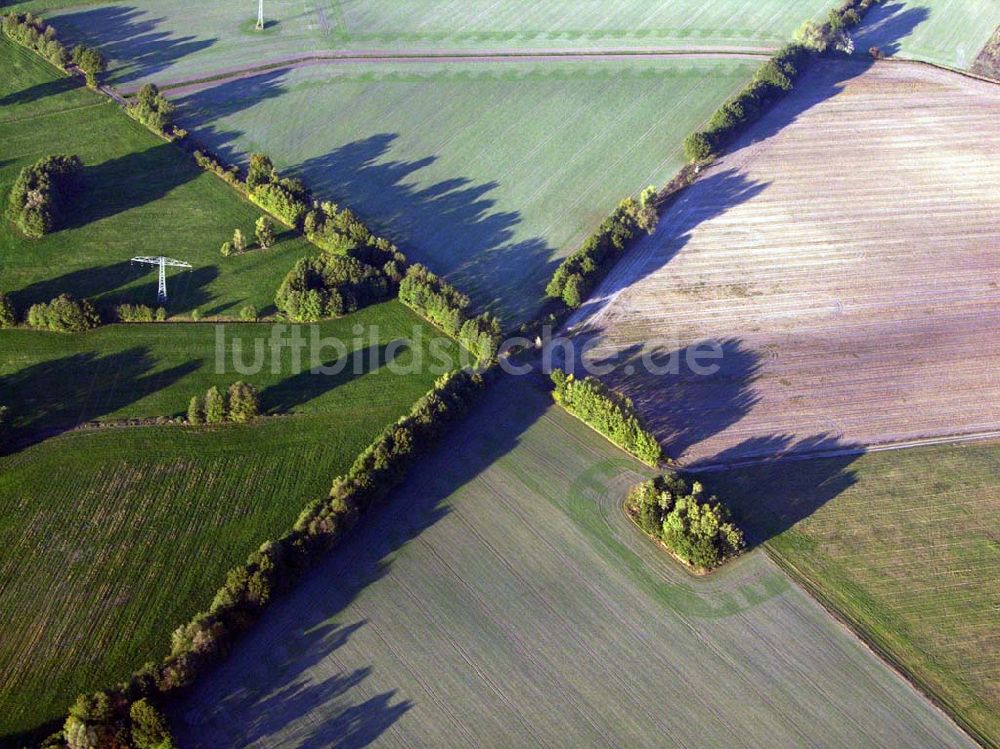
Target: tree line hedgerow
(42, 192)
(698, 530)
(608, 412)
(98, 719)
(435, 299)
(32, 32)
(578, 275)
(775, 78)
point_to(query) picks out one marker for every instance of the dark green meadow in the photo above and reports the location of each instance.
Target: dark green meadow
(141, 196)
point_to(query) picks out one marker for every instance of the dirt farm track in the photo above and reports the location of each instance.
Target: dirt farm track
(847, 256)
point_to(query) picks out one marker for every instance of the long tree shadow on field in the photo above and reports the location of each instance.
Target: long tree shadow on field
(708, 198)
(452, 225)
(686, 395)
(107, 285)
(308, 385)
(887, 25)
(770, 496)
(268, 684)
(130, 35)
(129, 181)
(55, 395)
(40, 91)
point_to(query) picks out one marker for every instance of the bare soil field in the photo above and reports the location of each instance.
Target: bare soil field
(846, 255)
(504, 600)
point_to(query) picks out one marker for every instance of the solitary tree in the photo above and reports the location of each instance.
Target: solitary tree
(265, 232)
(215, 406)
(149, 726)
(8, 315)
(260, 171)
(91, 62)
(244, 402)
(239, 242)
(196, 411)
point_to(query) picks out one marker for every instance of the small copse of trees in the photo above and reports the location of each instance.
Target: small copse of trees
(90, 62)
(697, 530)
(608, 412)
(41, 193)
(284, 197)
(64, 314)
(101, 719)
(153, 110)
(436, 300)
(330, 286)
(239, 404)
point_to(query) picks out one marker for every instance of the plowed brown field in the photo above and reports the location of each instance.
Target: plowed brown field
(847, 254)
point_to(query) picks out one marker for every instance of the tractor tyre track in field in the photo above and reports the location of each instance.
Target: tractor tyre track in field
(378, 57)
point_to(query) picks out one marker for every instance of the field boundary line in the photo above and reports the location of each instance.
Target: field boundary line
(54, 112)
(860, 449)
(941, 67)
(871, 643)
(458, 56)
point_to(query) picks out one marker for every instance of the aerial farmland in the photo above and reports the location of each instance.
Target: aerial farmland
(350, 377)
(848, 253)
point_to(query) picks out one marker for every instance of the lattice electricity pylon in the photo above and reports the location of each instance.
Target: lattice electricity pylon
(162, 262)
(260, 16)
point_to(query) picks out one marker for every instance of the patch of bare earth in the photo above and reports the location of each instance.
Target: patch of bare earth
(847, 256)
(987, 62)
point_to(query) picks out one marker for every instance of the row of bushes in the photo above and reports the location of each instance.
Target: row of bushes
(32, 32)
(210, 163)
(580, 273)
(608, 412)
(699, 531)
(239, 404)
(770, 82)
(42, 193)
(64, 314)
(438, 301)
(775, 78)
(276, 564)
(103, 720)
(139, 313)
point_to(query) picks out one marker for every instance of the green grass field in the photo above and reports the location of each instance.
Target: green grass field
(111, 539)
(54, 381)
(169, 40)
(114, 536)
(505, 600)
(948, 32)
(905, 545)
(143, 197)
(488, 172)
